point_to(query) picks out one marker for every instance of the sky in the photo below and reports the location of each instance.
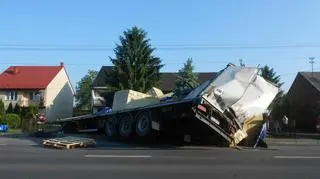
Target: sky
(280, 33)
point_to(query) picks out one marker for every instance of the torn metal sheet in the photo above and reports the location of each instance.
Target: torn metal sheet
(241, 92)
(240, 89)
(255, 100)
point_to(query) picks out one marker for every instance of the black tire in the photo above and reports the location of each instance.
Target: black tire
(125, 125)
(101, 125)
(110, 127)
(143, 124)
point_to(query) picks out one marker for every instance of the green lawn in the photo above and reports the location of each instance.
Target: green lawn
(12, 131)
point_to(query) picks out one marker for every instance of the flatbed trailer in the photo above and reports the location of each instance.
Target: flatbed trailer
(183, 118)
(218, 110)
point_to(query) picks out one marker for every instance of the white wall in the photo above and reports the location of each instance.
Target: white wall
(59, 97)
(3, 94)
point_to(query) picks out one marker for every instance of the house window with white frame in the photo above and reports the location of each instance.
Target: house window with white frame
(12, 96)
(35, 96)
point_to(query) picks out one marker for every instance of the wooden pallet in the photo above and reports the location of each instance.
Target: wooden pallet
(68, 142)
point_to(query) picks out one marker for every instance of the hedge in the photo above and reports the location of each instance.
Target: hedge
(13, 121)
(2, 121)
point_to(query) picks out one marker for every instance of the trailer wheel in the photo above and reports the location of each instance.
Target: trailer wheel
(143, 124)
(125, 125)
(110, 127)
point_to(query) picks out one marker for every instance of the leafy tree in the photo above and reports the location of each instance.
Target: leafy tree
(270, 75)
(134, 65)
(83, 89)
(10, 108)
(187, 80)
(28, 115)
(34, 109)
(279, 107)
(17, 109)
(23, 112)
(2, 110)
(30, 111)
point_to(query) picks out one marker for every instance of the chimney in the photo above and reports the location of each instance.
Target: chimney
(14, 70)
(61, 64)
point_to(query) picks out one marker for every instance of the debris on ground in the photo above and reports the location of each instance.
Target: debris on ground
(69, 142)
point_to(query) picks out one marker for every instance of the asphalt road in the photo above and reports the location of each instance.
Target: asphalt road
(25, 158)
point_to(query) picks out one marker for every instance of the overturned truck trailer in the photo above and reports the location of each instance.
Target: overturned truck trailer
(227, 109)
(238, 97)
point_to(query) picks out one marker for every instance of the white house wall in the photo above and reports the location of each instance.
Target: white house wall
(59, 97)
(3, 94)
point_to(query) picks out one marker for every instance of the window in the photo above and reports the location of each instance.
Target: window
(12, 95)
(35, 96)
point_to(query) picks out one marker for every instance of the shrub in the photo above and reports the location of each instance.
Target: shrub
(10, 109)
(2, 111)
(23, 112)
(2, 119)
(28, 112)
(17, 109)
(33, 109)
(28, 125)
(13, 120)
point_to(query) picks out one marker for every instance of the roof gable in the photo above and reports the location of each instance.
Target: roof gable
(28, 77)
(100, 80)
(313, 78)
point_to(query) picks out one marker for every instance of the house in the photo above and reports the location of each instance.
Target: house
(48, 87)
(168, 80)
(304, 102)
(167, 84)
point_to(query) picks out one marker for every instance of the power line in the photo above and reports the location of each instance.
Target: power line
(21, 47)
(168, 44)
(53, 49)
(86, 64)
(169, 62)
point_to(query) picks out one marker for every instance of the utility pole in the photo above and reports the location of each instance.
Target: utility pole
(311, 61)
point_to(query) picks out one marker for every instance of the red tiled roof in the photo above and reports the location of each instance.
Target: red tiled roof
(28, 77)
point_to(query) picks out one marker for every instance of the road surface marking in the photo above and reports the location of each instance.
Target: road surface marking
(297, 157)
(3, 144)
(186, 157)
(118, 156)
